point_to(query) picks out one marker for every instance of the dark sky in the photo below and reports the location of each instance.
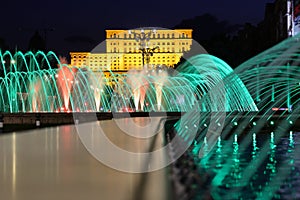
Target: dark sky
(79, 24)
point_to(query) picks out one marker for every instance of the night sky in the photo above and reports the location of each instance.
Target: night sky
(78, 25)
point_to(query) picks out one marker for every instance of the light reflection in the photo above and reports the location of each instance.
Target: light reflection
(57, 134)
(219, 153)
(196, 148)
(206, 150)
(236, 174)
(46, 145)
(219, 145)
(271, 166)
(4, 161)
(274, 166)
(291, 143)
(284, 174)
(204, 161)
(254, 146)
(14, 164)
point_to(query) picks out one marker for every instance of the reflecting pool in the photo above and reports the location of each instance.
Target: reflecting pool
(268, 167)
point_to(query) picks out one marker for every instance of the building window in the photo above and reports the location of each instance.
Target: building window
(173, 35)
(125, 36)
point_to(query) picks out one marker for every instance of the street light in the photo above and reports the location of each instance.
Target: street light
(143, 39)
(147, 53)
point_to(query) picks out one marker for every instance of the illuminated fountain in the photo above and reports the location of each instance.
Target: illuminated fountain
(261, 96)
(254, 155)
(159, 83)
(44, 83)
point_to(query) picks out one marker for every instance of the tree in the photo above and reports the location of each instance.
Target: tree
(3, 45)
(37, 43)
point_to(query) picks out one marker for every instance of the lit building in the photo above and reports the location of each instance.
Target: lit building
(124, 50)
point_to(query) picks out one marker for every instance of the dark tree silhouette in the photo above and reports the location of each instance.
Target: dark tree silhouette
(233, 43)
(213, 35)
(3, 45)
(37, 43)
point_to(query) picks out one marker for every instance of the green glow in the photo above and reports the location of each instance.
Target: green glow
(257, 84)
(291, 143)
(288, 88)
(201, 85)
(272, 80)
(43, 87)
(235, 139)
(254, 146)
(219, 153)
(273, 93)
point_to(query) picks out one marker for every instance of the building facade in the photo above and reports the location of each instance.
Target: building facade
(125, 50)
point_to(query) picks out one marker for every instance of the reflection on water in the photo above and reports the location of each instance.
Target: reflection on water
(266, 168)
(52, 163)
